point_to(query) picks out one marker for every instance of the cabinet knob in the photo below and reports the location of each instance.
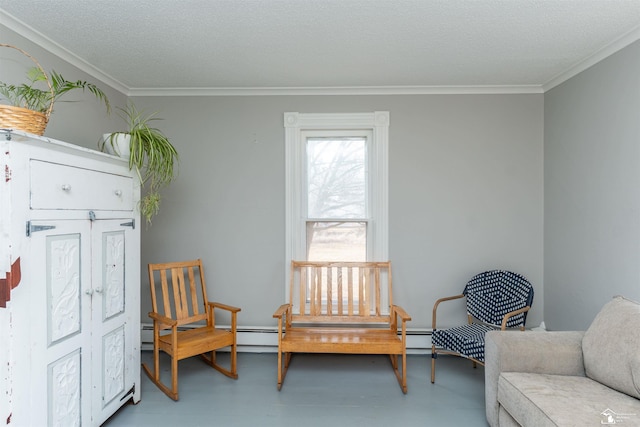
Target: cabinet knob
(66, 187)
(118, 193)
(98, 290)
(89, 292)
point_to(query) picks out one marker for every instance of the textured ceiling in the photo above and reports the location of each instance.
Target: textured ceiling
(160, 44)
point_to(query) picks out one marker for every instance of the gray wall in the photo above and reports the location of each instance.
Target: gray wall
(465, 193)
(466, 189)
(592, 200)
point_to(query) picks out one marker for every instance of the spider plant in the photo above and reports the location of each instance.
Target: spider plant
(28, 96)
(151, 154)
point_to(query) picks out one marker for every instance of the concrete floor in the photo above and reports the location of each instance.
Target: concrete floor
(319, 390)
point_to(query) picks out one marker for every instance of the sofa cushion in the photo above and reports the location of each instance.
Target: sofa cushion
(611, 346)
(561, 400)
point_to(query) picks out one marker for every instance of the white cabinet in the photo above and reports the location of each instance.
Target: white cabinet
(70, 232)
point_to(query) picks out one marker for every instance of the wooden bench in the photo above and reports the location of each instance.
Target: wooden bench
(341, 307)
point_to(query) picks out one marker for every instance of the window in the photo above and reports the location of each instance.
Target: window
(336, 186)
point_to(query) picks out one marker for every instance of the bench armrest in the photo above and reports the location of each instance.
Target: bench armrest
(281, 310)
(401, 313)
(558, 353)
(230, 308)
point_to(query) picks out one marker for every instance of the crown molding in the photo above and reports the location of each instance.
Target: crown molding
(46, 43)
(608, 50)
(341, 90)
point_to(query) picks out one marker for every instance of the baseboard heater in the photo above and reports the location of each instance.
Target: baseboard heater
(257, 339)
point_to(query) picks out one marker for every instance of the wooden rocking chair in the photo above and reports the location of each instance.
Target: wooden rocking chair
(184, 303)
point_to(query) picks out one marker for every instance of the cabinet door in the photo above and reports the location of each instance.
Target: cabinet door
(59, 275)
(115, 303)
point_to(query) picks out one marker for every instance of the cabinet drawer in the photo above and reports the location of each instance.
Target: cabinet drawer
(55, 186)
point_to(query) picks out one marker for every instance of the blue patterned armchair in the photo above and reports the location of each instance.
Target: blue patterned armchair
(495, 299)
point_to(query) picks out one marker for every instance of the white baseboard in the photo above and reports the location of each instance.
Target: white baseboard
(265, 340)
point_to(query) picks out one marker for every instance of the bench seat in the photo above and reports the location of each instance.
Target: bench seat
(342, 340)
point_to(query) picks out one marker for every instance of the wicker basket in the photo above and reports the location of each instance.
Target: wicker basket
(23, 119)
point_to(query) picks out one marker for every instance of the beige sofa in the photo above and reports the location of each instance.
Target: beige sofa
(567, 378)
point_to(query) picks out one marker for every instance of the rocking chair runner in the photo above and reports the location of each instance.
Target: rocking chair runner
(183, 301)
(495, 299)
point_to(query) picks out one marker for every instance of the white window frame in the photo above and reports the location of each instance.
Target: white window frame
(296, 125)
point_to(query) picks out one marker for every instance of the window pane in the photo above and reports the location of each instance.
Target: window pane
(336, 178)
(336, 241)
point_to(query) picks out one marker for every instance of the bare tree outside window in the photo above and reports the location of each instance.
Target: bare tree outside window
(336, 171)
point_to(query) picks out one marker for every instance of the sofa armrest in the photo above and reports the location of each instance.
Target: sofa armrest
(558, 353)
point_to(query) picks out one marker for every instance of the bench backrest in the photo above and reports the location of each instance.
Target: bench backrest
(340, 292)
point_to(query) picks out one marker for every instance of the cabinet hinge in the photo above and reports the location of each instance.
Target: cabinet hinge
(130, 392)
(131, 224)
(35, 228)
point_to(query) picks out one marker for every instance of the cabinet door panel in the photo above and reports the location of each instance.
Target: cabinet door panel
(64, 390)
(63, 252)
(113, 361)
(113, 262)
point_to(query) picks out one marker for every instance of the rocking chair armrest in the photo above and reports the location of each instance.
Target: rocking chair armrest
(437, 303)
(281, 311)
(163, 319)
(511, 314)
(230, 308)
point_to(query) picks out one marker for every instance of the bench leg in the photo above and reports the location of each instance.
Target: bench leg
(394, 361)
(287, 361)
(283, 367)
(402, 378)
(404, 372)
(279, 369)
